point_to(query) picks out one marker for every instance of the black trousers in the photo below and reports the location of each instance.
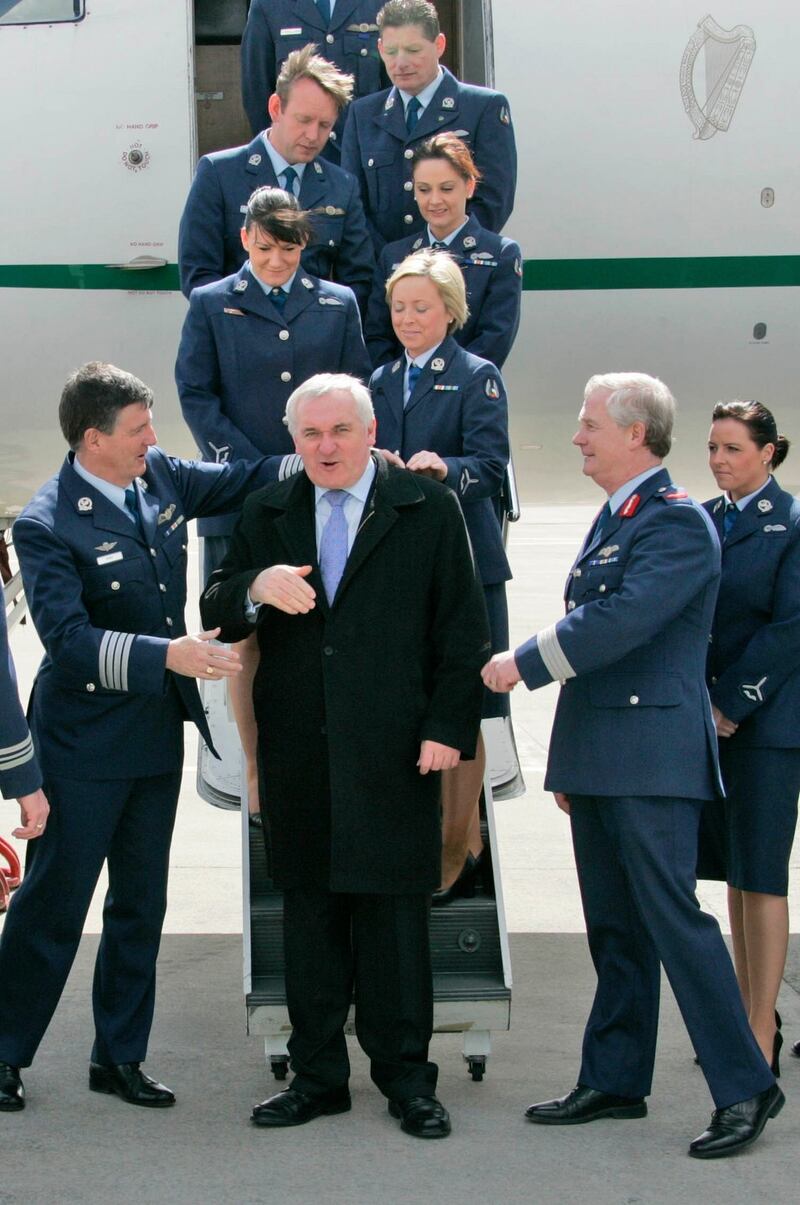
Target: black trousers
(377, 946)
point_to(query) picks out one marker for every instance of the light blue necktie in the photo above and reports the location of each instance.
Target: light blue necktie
(290, 178)
(333, 545)
(729, 518)
(324, 7)
(412, 113)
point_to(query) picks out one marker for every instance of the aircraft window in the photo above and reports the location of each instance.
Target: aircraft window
(40, 12)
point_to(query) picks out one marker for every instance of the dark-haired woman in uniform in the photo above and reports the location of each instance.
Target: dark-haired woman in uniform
(445, 178)
(444, 412)
(754, 683)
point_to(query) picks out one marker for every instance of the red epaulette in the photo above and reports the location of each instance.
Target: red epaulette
(677, 493)
(630, 506)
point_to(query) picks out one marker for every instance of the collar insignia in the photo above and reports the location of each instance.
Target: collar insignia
(416, 246)
(629, 508)
(448, 103)
(396, 365)
(717, 506)
(764, 505)
(437, 365)
(85, 505)
(317, 168)
(469, 241)
(306, 283)
(254, 160)
(240, 286)
(389, 104)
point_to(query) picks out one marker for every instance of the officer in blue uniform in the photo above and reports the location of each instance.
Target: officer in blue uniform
(102, 548)
(492, 267)
(753, 678)
(633, 755)
(444, 412)
(345, 32)
(458, 408)
(382, 130)
(310, 93)
(250, 339)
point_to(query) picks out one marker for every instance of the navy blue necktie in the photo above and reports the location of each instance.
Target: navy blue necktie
(414, 372)
(600, 522)
(412, 113)
(278, 297)
(132, 507)
(729, 518)
(324, 7)
(289, 178)
(437, 246)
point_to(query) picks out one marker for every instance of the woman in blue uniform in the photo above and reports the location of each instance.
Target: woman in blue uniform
(445, 178)
(247, 342)
(444, 412)
(754, 683)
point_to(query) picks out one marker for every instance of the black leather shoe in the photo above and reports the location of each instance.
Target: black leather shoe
(585, 1104)
(796, 1049)
(421, 1116)
(737, 1126)
(293, 1108)
(12, 1090)
(130, 1084)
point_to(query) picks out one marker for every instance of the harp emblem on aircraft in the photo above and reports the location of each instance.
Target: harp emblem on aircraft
(718, 73)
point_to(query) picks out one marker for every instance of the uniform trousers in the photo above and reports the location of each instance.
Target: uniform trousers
(379, 946)
(636, 860)
(129, 822)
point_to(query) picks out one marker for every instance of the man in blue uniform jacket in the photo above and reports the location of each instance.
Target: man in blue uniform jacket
(102, 547)
(309, 94)
(632, 757)
(344, 30)
(383, 129)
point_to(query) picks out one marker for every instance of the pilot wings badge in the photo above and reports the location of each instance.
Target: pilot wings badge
(728, 54)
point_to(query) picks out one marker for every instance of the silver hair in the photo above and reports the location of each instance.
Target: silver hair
(635, 397)
(329, 382)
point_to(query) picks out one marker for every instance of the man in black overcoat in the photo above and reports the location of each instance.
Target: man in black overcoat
(358, 578)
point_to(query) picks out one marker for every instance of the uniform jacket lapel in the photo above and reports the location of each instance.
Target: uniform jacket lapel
(652, 485)
(427, 378)
(259, 165)
(252, 299)
(308, 12)
(312, 188)
(300, 296)
(442, 110)
(342, 12)
(751, 518)
(392, 117)
(102, 513)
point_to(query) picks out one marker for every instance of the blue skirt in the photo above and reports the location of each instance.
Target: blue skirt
(746, 838)
(497, 610)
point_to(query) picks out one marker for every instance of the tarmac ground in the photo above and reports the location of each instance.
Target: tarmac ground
(72, 1146)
